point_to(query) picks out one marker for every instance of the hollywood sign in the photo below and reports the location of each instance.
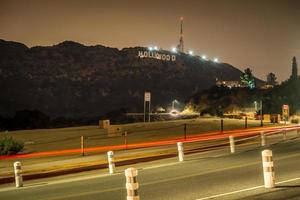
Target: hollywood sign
(156, 55)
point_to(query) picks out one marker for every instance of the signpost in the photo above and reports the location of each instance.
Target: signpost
(285, 112)
(147, 98)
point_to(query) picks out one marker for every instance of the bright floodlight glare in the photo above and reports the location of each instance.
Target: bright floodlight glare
(174, 49)
(150, 48)
(203, 57)
(155, 48)
(191, 52)
(216, 60)
(174, 112)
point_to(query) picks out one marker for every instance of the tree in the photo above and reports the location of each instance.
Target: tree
(294, 69)
(271, 79)
(247, 79)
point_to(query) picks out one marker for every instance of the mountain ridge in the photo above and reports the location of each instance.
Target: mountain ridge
(73, 80)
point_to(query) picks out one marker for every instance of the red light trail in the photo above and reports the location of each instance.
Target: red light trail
(196, 138)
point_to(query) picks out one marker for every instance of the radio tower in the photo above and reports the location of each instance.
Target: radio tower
(180, 45)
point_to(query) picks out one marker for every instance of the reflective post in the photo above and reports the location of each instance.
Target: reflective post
(18, 174)
(111, 164)
(268, 168)
(180, 151)
(232, 144)
(132, 185)
(263, 139)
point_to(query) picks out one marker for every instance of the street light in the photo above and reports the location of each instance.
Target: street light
(174, 50)
(255, 105)
(173, 104)
(150, 48)
(155, 48)
(203, 57)
(191, 52)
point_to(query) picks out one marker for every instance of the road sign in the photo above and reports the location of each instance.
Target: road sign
(147, 96)
(285, 112)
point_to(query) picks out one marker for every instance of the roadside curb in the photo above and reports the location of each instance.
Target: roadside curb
(87, 167)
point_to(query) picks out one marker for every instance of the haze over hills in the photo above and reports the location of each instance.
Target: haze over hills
(73, 80)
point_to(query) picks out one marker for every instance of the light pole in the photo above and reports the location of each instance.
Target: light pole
(261, 114)
(255, 105)
(173, 104)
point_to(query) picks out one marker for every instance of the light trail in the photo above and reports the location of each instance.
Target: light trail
(207, 136)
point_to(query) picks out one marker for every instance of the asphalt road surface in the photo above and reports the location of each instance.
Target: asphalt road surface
(210, 175)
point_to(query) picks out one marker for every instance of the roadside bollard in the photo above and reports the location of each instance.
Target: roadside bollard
(180, 151)
(263, 139)
(131, 184)
(184, 129)
(18, 174)
(82, 145)
(222, 125)
(268, 167)
(284, 135)
(111, 164)
(232, 144)
(125, 139)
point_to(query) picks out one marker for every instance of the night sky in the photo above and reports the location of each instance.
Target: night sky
(261, 34)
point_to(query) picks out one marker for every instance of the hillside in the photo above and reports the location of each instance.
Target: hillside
(73, 80)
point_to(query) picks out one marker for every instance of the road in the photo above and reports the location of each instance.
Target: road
(209, 175)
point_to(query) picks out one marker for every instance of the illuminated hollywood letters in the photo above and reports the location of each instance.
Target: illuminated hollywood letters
(156, 55)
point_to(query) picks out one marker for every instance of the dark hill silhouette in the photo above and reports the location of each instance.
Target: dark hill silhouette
(74, 80)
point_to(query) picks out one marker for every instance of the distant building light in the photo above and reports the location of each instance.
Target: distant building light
(174, 50)
(155, 48)
(203, 57)
(191, 52)
(216, 60)
(150, 48)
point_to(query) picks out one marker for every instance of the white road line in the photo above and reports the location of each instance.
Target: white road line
(247, 189)
(229, 193)
(290, 180)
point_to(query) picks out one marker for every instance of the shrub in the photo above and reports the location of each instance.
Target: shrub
(9, 146)
(295, 121)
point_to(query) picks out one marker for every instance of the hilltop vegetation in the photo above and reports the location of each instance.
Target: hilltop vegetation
(218, 100)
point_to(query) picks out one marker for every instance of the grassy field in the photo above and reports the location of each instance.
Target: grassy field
(69, 138)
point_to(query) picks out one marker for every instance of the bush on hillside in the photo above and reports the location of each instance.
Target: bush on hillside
(9, 146)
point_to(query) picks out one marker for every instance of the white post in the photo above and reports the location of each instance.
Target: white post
(132, 185)
(18, 174)
(268, 167)
(180, 151)
(111, 164)
(232, 144)
(263, 139)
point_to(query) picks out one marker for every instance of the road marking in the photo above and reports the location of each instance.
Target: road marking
(247, 189)
(68, 196)
(229, 193)
(160, 165)
(53, 182)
